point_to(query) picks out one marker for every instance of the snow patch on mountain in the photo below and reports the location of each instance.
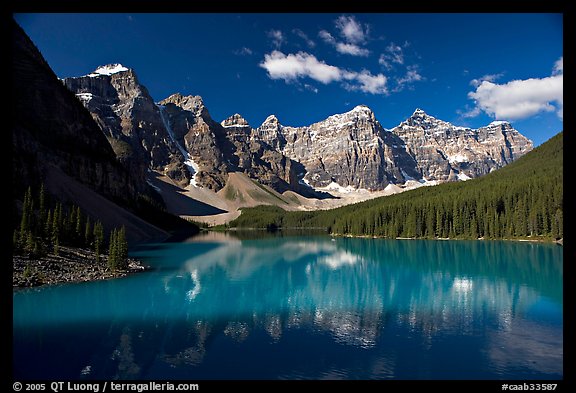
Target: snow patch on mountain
(462, 176)
(85, 97)
(457, 158)
(192, 166)
(108, 69)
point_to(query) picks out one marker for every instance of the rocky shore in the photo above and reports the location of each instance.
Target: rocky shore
(71, 265)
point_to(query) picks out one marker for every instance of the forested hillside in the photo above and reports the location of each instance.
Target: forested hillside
(523, 199)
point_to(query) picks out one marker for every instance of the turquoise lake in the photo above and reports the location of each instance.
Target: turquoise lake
(304, 307)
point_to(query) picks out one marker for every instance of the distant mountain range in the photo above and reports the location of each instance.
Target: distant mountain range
(102, 135)
(178, 138)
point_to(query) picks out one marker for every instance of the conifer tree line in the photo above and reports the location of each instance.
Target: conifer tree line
(523, 199)
(43, 230)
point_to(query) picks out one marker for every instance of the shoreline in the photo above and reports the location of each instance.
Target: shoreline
(72, 265)
(524, 239)
(77, 265)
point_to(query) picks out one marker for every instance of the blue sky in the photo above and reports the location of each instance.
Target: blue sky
(468, 69)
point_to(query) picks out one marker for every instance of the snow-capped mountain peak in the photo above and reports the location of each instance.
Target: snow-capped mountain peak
(351, 149)
(235, 120)
(108, 69)
(447, 152)
(497, 123)
(271, 119)
(361, 108)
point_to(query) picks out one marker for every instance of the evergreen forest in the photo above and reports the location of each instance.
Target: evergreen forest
(44, 227)
(522, 200)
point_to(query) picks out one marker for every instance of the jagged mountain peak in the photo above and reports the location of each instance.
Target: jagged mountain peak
(271, 118)
(497, 123)
(349, 148)
(271, 121)
(236, 120)
(361, 108)
(448, 152)
(421, 119)
(108, 70)
(191, 103)
(421, 114)
(357, 113)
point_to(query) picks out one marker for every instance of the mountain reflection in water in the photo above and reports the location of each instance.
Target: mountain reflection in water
(305, 307)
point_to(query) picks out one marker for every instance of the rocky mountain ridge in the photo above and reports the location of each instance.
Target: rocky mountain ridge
(178, 138)
(445, 152)
(58, 144)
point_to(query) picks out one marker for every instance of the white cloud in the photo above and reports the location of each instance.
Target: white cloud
(373, 84)
(393, 54)
(345, 48)
(311, 88)
(396, 53)
(488, 78)
(558, 66)
(469, 112)
(277, 37)
(327, 37)
(351, 30)
(305, 37)
(244, 51)
(351, 49)
(412, 75)
(292, 67)
(519, 99)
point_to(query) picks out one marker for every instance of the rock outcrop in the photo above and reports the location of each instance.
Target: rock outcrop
(350, 149)
(51, 129)
(56, 142)
(446, 152)
(178, 138)
(229, 146)
(133, 123)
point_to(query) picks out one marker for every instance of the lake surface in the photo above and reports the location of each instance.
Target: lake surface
(306, 307)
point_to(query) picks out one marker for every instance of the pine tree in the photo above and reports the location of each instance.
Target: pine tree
(56, 245)
(113, 251)
(55, 233)
(473, 228)
(16, 241)
(122, 248)
(26, 215)
(78, 226)
(87, 232)
(48, 225)
(98, 239)
(70, 223)
(57, 216)
(41, 207)
(557, 225)
(29, 245)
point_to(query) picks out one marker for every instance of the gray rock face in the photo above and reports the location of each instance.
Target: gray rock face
(351, 149)
(229, 146)
(178, 137)
(445, 152)
(258, 159)
(131, 120)
(191, 122)
(51, 131)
